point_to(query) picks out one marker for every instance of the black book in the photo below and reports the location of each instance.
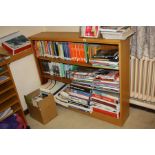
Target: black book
(105, 54)
(45, 66)
(72, 86)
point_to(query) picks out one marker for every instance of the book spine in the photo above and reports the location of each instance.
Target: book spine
(80, 88)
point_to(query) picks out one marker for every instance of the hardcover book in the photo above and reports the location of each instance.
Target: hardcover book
(17, 44)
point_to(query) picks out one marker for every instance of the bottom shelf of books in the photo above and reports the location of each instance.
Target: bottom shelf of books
(94, 92)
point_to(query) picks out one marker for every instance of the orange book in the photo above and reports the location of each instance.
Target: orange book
(83, 53)
(70, 50)
(79, 53)
(75, 52)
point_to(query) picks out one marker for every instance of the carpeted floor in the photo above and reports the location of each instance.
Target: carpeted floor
(68, 119)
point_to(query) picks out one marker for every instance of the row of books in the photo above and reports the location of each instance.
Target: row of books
(80, 52)
(101, 79)
(106, 103)
(64, 50)
(57, 69)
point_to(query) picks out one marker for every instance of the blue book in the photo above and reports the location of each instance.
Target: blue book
(64, 50)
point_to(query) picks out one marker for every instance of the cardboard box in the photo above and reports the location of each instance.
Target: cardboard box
(46, 109)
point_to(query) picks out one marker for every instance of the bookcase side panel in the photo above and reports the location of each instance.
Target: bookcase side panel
(124, 65)
(37, 61)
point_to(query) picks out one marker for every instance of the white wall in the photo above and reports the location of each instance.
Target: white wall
(62, 28)
(25, 30)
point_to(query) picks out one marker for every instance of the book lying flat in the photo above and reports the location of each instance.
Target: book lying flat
(51, 87)
(16, 44)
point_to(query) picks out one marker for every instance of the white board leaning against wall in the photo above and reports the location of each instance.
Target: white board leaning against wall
(25, 75)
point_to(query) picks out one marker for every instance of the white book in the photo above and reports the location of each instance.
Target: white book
(117, 35)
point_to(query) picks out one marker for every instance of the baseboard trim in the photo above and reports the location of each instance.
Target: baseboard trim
(144, 104)
(142, 108)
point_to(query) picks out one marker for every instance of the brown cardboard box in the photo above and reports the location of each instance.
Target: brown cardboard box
(46, 109)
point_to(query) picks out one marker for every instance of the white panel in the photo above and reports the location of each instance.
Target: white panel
(25, 30)
(25, 75)
(62, 28)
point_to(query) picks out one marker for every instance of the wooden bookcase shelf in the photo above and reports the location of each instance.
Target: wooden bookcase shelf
(8, 104)
(6, 89)
(8, 94)
(57, 78)
(2, 73)
(59, 60)
(124, 61)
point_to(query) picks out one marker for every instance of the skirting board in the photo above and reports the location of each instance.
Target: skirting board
(142, 103)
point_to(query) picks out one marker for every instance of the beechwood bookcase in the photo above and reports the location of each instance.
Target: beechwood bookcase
(124, 55)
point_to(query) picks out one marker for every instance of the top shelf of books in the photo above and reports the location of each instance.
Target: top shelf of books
(71, 37)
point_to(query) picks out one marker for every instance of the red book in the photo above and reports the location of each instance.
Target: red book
(106, 112)
(104, 103)
(17, 44)
(104, 98)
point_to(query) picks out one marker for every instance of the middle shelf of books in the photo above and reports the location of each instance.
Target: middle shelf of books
(91, 72)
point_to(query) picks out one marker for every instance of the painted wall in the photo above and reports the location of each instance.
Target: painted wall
(62, 28)
(26, 30)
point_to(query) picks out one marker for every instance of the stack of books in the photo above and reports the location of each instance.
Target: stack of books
(83, 76)
(107, 80)
(57, 69)
(79, 97)
(99, 57)
(116, 32)
(64, 50)
(62, 97)
(51, 87)
(81, 88)
(105, 103)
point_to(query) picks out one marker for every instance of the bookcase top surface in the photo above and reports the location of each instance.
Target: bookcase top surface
(71, 36)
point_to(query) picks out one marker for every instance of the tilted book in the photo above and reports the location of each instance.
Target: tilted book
(16, 44)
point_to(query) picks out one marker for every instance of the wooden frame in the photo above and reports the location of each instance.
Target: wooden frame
(124, 55)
